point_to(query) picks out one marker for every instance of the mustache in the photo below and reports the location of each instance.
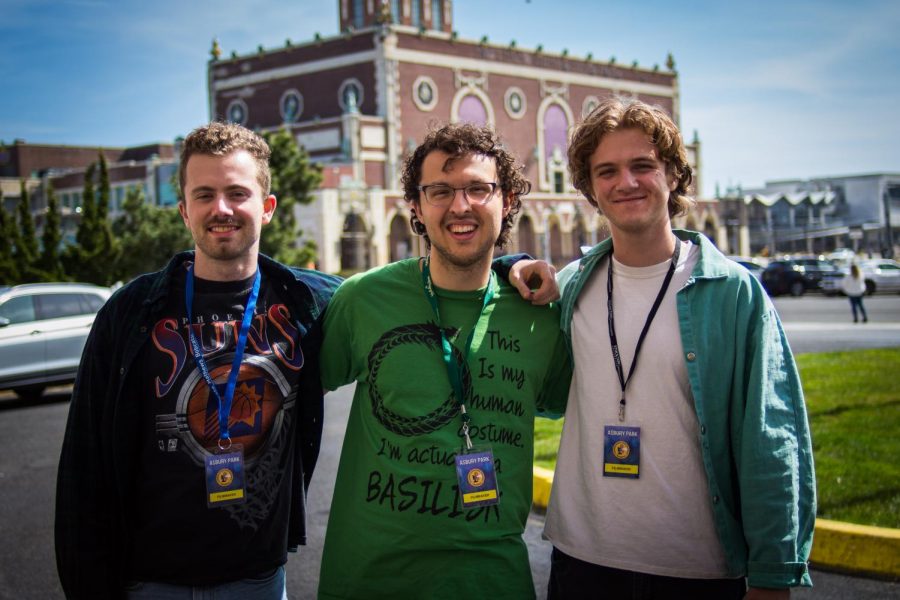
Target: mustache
(222, 221)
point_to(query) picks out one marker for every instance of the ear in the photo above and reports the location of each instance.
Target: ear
(671, 178)
(182, 210)
(269, 205)
(507, 203)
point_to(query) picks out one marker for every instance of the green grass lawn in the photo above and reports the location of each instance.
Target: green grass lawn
(853, 399)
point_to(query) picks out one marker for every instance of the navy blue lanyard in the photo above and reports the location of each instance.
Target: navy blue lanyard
(617, 359)
(454, 372)
(224, 403)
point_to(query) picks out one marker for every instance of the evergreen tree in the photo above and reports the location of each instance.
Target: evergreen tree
(103, 191)
(26, 250)
(94, 253)
(50, 262)
(9, 272)
(147, 236)
(294, 179)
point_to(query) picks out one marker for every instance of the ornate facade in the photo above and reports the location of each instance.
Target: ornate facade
(360, 101)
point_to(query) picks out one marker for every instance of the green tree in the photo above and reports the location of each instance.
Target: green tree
(103, 190)
(9, 272)
(294, 179)
(90, 258)
(147, 236)
(26, 246)
(50, 261)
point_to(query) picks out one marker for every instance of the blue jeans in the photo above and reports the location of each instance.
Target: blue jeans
(269, 586)
(857, 301)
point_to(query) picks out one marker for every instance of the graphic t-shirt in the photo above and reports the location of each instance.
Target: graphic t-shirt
(397, 528)
(176, 537)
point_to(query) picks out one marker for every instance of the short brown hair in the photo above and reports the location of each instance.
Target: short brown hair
(614, 114)
(219, 139)
(459, 140)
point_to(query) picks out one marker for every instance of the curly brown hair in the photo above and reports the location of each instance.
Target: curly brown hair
(219, 139)
(614, 114)
(459, 140)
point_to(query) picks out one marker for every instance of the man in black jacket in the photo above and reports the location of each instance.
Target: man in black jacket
(196, 417)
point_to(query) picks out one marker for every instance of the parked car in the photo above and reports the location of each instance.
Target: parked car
(881, 274)
(798, 275)
(43, 328)
(756, 268)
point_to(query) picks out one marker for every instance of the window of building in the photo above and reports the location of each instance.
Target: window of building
(472, 110)
(514, 102)
(237, 112)
(291, 106)
(590, 103)
(425, 93)
(416, 6)
(395, 11)
(558, 182)
(436, 15)
(359, 13)
(350, 87)
(555, 127)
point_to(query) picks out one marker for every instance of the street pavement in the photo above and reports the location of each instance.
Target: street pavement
(31, 436)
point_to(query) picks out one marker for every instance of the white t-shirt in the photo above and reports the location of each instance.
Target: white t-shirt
(662, 522)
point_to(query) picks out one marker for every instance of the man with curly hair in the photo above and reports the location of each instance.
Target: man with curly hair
(451, 366)
(685, 464)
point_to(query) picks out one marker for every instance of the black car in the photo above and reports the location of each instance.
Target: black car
(796, 276)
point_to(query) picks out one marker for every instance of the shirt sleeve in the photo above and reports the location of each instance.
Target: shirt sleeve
(555, 394)
(775, 470)
(336, 359)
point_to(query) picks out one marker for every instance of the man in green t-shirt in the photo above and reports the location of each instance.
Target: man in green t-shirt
(451, 366)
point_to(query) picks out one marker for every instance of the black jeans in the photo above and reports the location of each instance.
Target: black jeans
(573, 579)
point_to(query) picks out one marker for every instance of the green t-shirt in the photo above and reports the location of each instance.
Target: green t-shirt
(397, 528)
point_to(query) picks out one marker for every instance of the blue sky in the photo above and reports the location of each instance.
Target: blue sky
(774, 89)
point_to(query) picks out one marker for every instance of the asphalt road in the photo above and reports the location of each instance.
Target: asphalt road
(31, 435)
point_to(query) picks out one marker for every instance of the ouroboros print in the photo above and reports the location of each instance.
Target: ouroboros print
(429, 335)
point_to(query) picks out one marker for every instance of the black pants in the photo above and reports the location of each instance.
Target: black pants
(573, 579)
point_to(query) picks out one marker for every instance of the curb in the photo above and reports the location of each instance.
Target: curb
(855, 549)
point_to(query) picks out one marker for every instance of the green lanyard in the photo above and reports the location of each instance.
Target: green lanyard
(454, 371)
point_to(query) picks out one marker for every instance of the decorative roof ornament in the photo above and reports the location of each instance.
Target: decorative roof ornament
(216, 51)
(670, 62)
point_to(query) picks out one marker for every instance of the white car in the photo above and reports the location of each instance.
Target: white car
(43, 328)
(881, 274)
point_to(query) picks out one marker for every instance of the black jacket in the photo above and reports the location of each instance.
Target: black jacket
(96, 465)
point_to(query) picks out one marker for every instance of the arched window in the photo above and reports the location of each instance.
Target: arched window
(555, 126)
(556, 252)
(401, 238)
(526, 236)
(472, 110)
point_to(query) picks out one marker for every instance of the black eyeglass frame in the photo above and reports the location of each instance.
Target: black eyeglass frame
(424, 189)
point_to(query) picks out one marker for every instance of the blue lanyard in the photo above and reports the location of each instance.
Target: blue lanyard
(224, 403)
(454, 372)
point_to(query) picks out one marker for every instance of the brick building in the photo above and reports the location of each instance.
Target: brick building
(148, 167)
(359, 102)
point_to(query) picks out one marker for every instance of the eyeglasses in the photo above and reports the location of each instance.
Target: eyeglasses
(441, 194)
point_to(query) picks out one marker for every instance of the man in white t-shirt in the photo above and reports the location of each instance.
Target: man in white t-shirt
(685, 465)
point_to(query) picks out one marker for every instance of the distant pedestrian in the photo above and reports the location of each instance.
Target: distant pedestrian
(854, 286)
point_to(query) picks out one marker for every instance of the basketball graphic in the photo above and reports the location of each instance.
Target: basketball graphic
(257, 402)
